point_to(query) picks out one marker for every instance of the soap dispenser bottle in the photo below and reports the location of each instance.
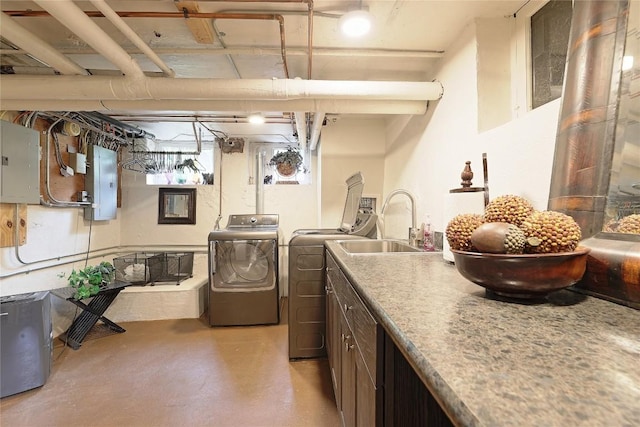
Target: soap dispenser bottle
(427, 238)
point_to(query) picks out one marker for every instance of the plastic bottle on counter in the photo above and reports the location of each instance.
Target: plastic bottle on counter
(427, 239)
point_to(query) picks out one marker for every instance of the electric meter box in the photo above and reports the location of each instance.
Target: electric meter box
(20, 170)
(101, 182)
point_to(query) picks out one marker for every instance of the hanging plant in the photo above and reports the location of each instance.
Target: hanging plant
(288, 162)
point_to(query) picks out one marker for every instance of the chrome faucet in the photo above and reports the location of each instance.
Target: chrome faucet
(413, 230)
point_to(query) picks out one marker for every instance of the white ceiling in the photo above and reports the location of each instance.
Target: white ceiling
(408, 39)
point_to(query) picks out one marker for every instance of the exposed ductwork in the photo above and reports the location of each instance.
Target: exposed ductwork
(119, 23)
(72, 17)
(37, 47)
(301, 128)
(105, 88)
(316, 127)
(344, 106)
(135, 91)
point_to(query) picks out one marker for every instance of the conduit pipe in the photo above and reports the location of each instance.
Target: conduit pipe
(316, 127)
(260, 159)
(122, 88)
(350, 106)
(119, 23)
(47, 180)
(37, 47)
(72, 17)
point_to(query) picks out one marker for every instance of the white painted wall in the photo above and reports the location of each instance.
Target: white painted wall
(53, 233)
(350, 145)
(426, 154)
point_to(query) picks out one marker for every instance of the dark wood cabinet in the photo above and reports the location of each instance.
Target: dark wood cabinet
(333, 322)
(349, 328)
(407, 402)
(374, 384)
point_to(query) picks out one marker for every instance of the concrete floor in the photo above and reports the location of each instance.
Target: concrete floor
(179, 373)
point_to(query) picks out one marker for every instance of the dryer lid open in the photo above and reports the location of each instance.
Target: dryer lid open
(355, 185)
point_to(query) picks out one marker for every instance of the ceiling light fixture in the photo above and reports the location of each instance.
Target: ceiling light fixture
(356, 23)
(256, 119)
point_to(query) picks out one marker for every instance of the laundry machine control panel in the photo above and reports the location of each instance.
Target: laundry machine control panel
(253, 220)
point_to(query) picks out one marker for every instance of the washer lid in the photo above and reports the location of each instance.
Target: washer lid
(355, 185)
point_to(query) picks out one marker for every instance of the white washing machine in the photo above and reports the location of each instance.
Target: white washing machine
(243, 271)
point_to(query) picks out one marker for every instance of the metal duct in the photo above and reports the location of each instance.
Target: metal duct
(37, 47)
(301, 128)
(349, 106)
(119, 23)
(316, 128)
(106, 88)
(72, 17)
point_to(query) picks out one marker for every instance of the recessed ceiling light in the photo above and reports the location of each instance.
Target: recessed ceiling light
(256, 119)
(355, 23)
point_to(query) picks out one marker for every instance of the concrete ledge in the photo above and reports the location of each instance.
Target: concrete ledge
(188, 300)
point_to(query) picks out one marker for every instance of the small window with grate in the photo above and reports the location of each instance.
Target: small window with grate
(550, 28)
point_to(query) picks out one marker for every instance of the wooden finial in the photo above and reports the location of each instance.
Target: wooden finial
(466, 175)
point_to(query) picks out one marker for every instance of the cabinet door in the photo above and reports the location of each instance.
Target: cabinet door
(334, 344)
(348, 374)
(365, 393)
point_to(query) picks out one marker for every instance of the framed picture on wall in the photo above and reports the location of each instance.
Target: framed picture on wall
(177, 206)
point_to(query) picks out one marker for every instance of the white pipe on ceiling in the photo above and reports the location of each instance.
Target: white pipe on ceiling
(350, 106)
(124, 88)
(272, 51)
(316, 127)
(119, 23)
(72, 17)
(37, 47)
(301, 128)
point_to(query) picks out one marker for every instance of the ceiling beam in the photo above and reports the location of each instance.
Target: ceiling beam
(202, 29)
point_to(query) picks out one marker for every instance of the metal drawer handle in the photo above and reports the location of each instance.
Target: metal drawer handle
(328, 290)
(348, 307)
(4, 314)
(348, 347)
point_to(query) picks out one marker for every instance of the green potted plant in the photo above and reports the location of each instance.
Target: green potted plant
(288, 162)
(88, 281)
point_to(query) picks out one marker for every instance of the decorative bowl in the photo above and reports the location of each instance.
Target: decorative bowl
(522, 276)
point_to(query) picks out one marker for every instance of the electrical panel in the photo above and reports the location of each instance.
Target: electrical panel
(20, 170)
(101, 182)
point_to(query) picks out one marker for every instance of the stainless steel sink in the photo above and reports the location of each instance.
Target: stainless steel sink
(370, 246)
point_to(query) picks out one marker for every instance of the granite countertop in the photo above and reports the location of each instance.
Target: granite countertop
(570, 360)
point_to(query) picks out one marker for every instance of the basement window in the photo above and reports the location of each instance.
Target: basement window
(276, 175)
(550, 27)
